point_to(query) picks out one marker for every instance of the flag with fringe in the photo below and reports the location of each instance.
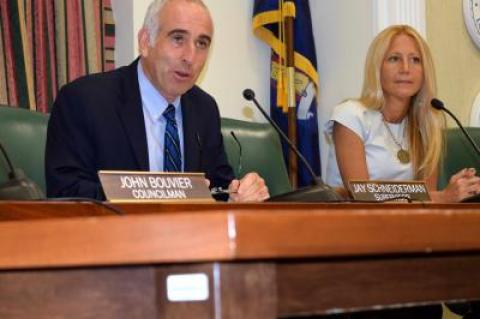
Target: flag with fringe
(269, 25)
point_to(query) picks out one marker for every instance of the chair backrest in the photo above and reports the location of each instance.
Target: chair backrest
(23, 135)
(459, 154)
(261, 151)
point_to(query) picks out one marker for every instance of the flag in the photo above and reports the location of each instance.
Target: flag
(267, 24)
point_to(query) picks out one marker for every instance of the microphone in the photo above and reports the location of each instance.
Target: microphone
(218, 193)
(437, 104)
(18, 186)
(239, 151)
(200, 150)
(319, 191)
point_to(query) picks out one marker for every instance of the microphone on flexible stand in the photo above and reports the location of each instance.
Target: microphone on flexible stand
(239, 170)
(217, 192)
(319, 191)
(18, 186)
(437, 104)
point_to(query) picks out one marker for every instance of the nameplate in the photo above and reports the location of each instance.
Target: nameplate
(135, 186)
(388, 191)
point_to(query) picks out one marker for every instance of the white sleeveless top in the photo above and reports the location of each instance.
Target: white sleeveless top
(380, 148)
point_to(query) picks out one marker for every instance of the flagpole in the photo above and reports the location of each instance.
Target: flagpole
(273, 22)
(292, 116)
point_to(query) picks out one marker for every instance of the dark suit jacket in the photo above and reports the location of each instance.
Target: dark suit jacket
(97, 124)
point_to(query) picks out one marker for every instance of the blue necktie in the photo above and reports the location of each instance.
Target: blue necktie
(172, 157)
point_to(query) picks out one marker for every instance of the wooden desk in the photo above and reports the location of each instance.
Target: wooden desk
(79, 260)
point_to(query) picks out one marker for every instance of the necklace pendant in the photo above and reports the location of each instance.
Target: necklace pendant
(403, 156)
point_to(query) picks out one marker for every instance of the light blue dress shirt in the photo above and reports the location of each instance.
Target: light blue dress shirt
(154, 104)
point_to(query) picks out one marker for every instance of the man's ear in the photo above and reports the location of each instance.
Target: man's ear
(143, 42)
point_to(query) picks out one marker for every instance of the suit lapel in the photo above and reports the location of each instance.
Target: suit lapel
(131, 115)
(191, 135)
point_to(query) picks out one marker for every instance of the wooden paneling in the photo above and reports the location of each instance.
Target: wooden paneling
(262, 260)
(355, 231)
(237, 291)
(23, 210)
(110, 293)
(180, 310)
(196, 233)
(352, 285)
(248, 290)
(113, 240)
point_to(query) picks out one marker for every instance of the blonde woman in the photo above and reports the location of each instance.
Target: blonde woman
(391, 132)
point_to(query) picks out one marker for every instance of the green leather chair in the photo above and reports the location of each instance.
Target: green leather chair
(459, 154)
(261, 151)
(23, 134)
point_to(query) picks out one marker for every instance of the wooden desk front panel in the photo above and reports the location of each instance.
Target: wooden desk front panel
(238, 290)
(375, 283)
(263, 261)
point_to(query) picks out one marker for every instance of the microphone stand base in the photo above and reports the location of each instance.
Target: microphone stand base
(472, 199)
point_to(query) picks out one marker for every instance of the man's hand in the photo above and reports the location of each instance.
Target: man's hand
(251, 188)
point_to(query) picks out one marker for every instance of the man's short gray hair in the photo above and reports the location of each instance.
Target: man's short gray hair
(152, 18)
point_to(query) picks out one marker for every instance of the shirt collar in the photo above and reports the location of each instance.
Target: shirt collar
(155, 103)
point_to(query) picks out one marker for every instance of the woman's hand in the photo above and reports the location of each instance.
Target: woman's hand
(461, 185)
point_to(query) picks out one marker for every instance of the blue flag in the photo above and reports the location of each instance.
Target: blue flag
(268, 18)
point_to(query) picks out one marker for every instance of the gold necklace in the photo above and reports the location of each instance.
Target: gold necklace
(402, 155)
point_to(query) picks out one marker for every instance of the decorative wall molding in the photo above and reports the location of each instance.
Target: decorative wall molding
(388, 12)
(475, 112)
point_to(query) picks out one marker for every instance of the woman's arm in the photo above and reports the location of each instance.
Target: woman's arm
(350, 152)
(461, 185)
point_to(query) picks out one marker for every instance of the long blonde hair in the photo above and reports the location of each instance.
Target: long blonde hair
(426, 147)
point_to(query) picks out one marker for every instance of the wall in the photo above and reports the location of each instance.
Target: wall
(457, 60)
(343, 30)
(124, 30)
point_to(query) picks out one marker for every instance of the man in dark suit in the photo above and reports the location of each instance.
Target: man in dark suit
(118, 120)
